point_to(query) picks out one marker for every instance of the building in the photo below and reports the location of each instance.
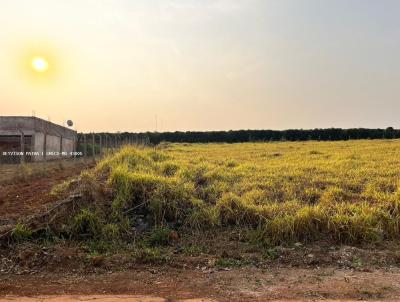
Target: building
(34, 139)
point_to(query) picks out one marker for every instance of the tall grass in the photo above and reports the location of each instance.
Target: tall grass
(342, 191)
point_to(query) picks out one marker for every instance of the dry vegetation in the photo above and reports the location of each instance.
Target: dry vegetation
(275, 193)
(347, 191)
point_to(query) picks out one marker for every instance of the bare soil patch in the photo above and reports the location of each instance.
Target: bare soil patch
(21, 196)
(241, 284)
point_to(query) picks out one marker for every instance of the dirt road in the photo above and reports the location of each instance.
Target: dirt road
(177, 284)
(96, 298)
(125, 298)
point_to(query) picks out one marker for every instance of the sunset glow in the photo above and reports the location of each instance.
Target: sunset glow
(39, 64)
(202, 65)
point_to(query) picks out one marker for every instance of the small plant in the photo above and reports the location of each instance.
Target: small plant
(61, 188)
(227, 263)
(111, 232)
(152, 255)
(101, 247)
(160, 236)
(87, 223)
(357, 262)
(271, 253)
(21, 233)
(193, 250)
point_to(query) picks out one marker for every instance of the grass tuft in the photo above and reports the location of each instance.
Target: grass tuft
(87, 224)
(21, 233)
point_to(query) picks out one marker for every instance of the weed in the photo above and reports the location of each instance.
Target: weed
(111, 232)
(271, 253)
(21, 233)
(61, 188)
(86, 223)
(160, 236)
(193, 250)
(151, 255)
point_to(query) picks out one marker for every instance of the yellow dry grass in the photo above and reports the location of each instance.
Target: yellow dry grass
(284, 191)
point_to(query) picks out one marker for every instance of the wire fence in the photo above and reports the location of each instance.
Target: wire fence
(99, 144)
(19, 149)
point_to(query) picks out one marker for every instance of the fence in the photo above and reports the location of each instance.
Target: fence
(85, 145)
(92, 145)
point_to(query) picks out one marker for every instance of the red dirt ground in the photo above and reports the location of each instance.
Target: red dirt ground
(241, 284)
(19, 198)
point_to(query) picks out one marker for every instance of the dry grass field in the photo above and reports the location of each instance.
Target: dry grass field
(348, 192)
(232, 221)
(278, 193)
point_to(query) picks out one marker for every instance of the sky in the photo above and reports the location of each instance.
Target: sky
(177, 65)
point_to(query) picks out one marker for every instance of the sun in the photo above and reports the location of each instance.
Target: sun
(39, 64)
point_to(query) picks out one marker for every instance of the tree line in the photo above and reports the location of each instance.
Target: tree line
(238, 136)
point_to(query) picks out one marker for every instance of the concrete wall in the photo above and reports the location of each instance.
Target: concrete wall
(34, 124)
(38, 128)
(68, 145)
(38, 139)
(52, 146)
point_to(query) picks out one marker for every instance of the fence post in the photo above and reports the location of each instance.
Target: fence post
(101, 147)
(74, 142)
(106, 143)
(45, 146)
(22, 159)
(61, 139)
(93, 147)
(85, 145)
